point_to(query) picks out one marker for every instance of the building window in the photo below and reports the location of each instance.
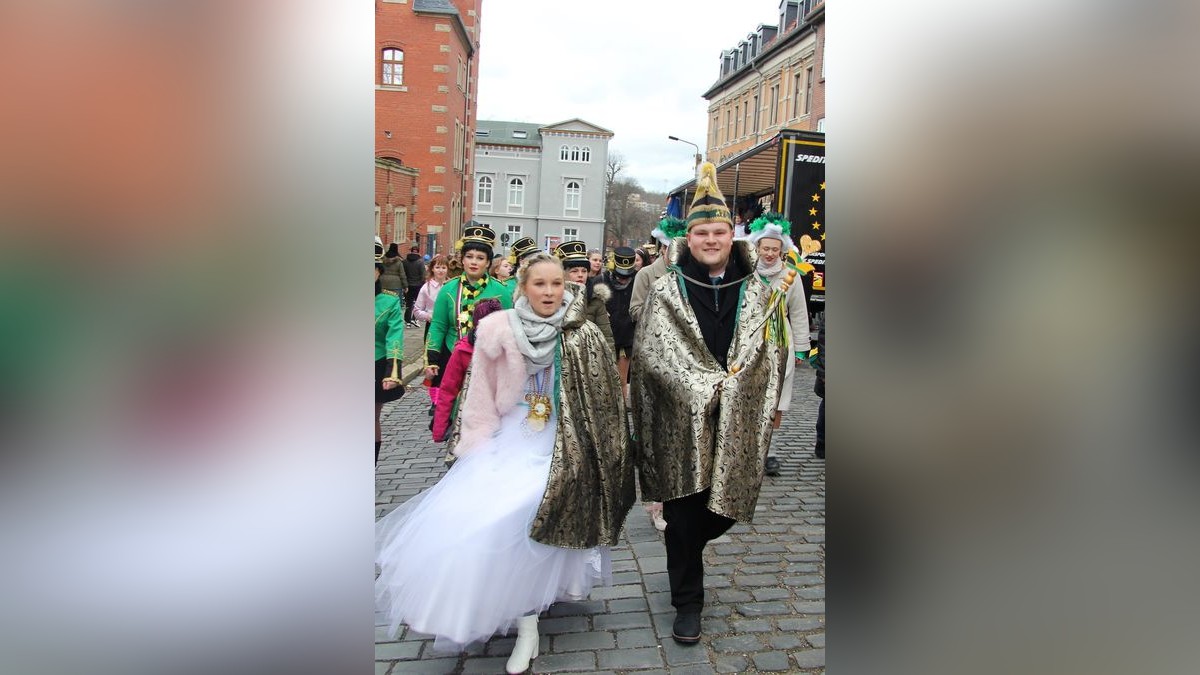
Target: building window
(573, 196)
(377, 232)
(756, 115)
(400, 224)
(737, 121)
(774, 114)
(746, 126)
(575, 153)
(570, 234)
(393, 67)
(713, 133)
(520, 133)
(796, 95)
(516, 195)
(483, 195)
(808, 85)
(729, 113)
(459, 145)
(462, 74)
(513, 233)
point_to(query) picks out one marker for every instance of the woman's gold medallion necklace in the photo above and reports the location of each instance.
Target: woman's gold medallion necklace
(539, 402)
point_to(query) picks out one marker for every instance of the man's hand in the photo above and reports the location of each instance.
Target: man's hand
(390, 384)
(431, 371)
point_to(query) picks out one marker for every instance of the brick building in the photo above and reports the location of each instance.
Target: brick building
(426, 65)
(772, 80)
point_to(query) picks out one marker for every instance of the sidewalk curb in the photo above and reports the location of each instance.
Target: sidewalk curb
(411, 372)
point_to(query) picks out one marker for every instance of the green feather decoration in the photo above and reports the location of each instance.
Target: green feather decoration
(673, 227)
(771, 218)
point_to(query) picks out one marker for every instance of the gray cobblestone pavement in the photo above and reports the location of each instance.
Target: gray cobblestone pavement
(764, 581)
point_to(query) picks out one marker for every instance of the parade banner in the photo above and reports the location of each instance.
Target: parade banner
(801, 198)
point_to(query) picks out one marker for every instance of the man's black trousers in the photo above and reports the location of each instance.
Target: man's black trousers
(690, 525)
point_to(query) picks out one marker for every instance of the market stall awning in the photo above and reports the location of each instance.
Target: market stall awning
(750, 174)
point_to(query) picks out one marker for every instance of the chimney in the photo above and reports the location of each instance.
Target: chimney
(766, 34)
(789, 12)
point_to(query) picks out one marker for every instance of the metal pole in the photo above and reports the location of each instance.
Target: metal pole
(737, 174)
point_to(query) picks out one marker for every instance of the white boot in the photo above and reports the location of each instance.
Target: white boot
(526, 647)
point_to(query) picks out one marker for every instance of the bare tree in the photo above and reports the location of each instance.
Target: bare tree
(626, 221)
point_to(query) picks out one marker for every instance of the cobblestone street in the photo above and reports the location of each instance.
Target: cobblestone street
(765, 581)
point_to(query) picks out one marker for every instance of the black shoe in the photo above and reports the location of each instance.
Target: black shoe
(819, 451)
(686, 630)
(431, 407)
(772, 468)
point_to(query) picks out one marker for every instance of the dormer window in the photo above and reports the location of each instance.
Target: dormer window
(520, 134)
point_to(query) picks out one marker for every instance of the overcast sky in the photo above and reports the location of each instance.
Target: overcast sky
(635, 67)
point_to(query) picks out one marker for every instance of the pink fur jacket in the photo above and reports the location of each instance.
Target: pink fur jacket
(497, 381)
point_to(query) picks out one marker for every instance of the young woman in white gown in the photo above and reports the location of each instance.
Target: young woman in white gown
(541, 486)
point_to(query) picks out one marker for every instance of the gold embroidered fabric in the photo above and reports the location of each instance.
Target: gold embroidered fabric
(698, 425)
(591, 487)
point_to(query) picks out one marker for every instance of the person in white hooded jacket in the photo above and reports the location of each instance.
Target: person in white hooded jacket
(771, 236)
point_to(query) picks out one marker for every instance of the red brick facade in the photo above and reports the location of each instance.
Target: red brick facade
(395, 202)
(425, 117)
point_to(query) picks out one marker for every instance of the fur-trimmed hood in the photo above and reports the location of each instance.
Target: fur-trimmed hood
(597, 287)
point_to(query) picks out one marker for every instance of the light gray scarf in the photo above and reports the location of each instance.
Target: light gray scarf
(772, 271)
(537, 336)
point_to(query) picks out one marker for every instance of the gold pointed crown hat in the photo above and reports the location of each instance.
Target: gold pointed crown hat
(708, 206)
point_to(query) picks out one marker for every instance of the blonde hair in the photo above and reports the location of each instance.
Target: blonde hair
(528, 263)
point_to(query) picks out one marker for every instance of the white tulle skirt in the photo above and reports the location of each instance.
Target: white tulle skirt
(456, 560)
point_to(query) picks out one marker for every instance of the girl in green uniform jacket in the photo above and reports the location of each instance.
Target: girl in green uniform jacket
(389, 349)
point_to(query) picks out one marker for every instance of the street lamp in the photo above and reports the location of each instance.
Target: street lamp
(676, 138)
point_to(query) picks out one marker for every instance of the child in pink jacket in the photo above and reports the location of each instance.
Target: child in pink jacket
(456, 372)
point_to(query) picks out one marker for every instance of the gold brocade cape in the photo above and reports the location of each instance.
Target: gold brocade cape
(699, 425)
(591, 487)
